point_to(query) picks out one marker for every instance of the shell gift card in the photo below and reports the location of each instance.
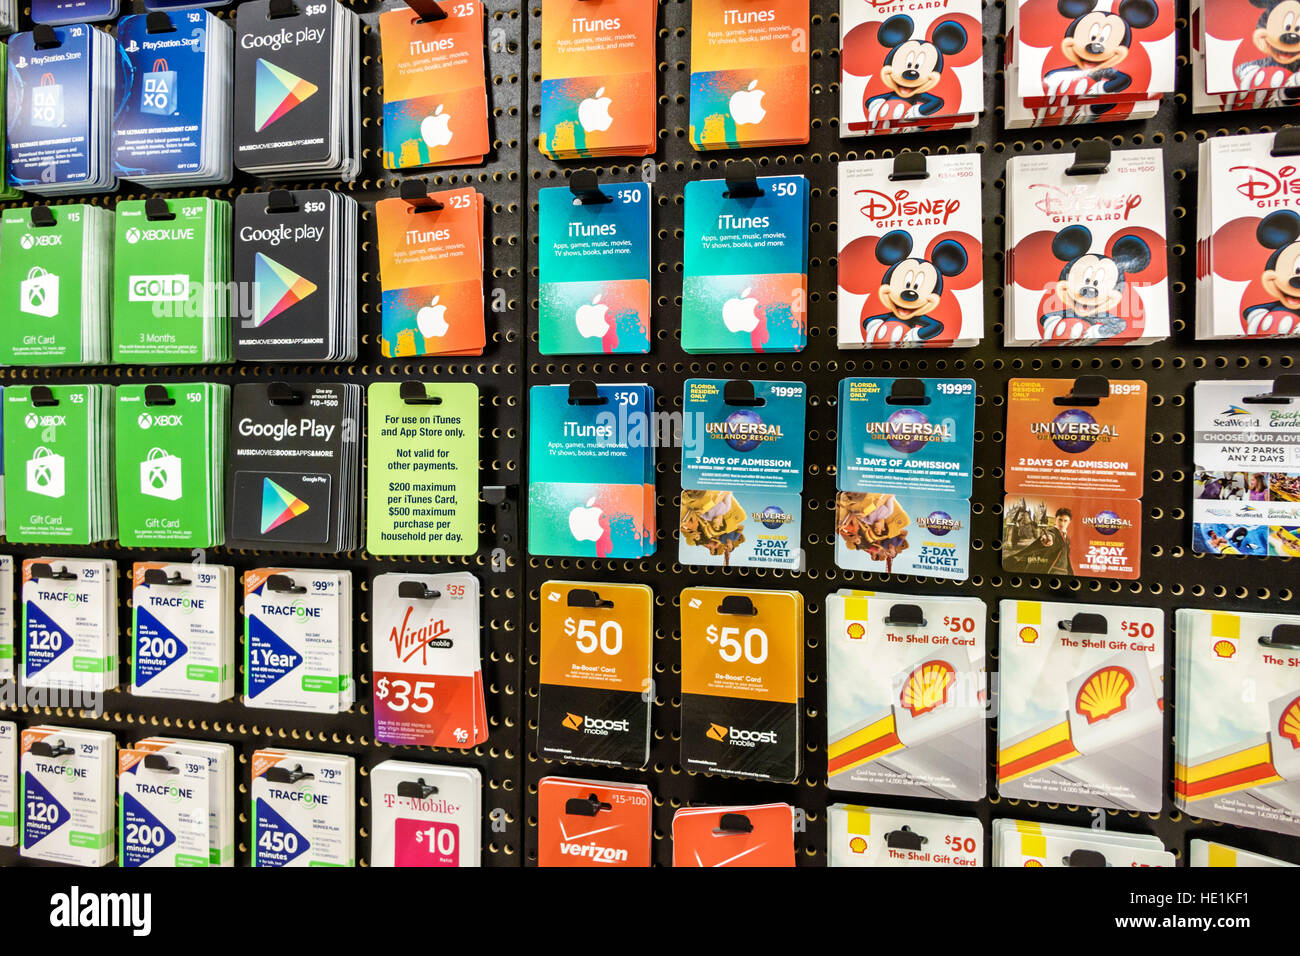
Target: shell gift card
(435, 92)
(592, 823)
(1086, 254)
(911, 255)
(594, 702)
(594, 271)
(1237, 718)
(431, 274)
(906, 695)
(1209, 853)
(735, 102)
(872, 836)
(1081, 704)
(598, 78)
(1022, 843)
(742, 682)
(1245, 54)
(760, 836)
(910, 66)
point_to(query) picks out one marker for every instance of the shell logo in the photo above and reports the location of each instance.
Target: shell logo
(858, 844)
(1033, 863)
(1224, 649)
(1028, 635)
(927, 687)
(1289, 725)
(856, 631)
(1104, 694)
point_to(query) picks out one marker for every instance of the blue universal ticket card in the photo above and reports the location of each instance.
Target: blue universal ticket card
(897, 532)
(160, 110)
(915, 435)
(745, 267)
(48, 108)
(743, 434)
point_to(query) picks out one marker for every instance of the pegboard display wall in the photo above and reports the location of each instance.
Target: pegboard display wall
(498, 374)
(1172, 576)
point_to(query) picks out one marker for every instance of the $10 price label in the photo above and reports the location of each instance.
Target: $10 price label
(425, 843)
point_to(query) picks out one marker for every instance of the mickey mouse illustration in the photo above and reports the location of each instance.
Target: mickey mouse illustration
(1096, 43)
(911, 288)
(1091, 285)
(1278, 37)
(912, 68)
(1279, 231)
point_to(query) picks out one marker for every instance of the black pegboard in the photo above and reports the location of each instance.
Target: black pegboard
(1171, 576)
(498, 375)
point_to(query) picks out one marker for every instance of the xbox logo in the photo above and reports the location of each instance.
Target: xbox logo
(145, 420)
(32, 420)
(133, 235)
(27, 241)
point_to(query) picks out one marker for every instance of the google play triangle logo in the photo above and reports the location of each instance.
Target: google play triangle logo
(277, 288)
(278, 505)
(278, 91)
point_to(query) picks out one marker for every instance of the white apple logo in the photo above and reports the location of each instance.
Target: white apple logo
(432, 319)
(435, 130)
(738, 315)
(584, 523)
(591, 319)
(593, 112)
(747, 105)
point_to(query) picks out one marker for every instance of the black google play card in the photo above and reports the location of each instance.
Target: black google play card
(284, 85)
(282, 257)
(291, 508)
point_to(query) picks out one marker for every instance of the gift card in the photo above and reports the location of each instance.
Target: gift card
(424, 815)
(593, 823)
(760, 836)
(873, 836)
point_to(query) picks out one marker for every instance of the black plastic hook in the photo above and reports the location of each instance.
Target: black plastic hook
(587, 806)
(907, 391)
(740, 391)
(415, 193)
(283, 584)
(1087, 390)
(416, 789)
(43, 396)
(586, 188)
(1285, 389)
(415, 393)
(909, 165)
(1284, 637)
(155, 394)
(742, 180)
(583, 392)
(905, 615)
(281, 393)
(42, 216)
(157, 210)
(157, 576)
(43, 570)
(1091, 158)
(416, 591)
(737, 604)
(585, 597)
(1085, 624)
(1286, 142)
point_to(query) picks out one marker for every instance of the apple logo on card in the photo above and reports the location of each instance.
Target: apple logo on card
(593, 112)
(747, 105)
(432, 319)
(435, 130)
(592, 319)
(739, 315)
(584, 523)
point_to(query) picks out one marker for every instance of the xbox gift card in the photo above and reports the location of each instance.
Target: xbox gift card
(292, 476)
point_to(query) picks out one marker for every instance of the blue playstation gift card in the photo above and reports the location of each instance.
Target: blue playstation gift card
(73, 11)
(48, 108)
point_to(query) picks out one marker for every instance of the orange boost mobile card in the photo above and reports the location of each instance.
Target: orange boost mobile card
(591, 823)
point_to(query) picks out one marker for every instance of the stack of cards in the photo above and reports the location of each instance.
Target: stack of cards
(69, 779)
(749, 74)
(906, 698)
(171, 277)
(183, 631)
(1209, 853)
(295, 270)
(873, 836)
(435, 93)
(594, 269)
(6, 617)
(9, 789)
(297, 90)
(1081, 704)
(1025, 844)
(7, 191)
(911, 256)
(59, 111)
(742, 474)
(593, 823)
(298, 640)
(745, 273)
(913, 68)
(591, 471)
(1245, 55)
(73, 11)
(426, 669)
(903, 483)
(596, 680)
(422, 468)
(171, 465)
(742, 683)
(304, 809)
(1248, 240)
(1087, 61)
(294, 467)
(163, 810)
(1237, 718)
(58, 452)
(56, 274)
(431, 273)
(172, 127)
(1246, 471)
(219, 761)
(424, 815)
(70, 624)
(1074, 476)
(758, 836)
(598, 79)
(1086, 251)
